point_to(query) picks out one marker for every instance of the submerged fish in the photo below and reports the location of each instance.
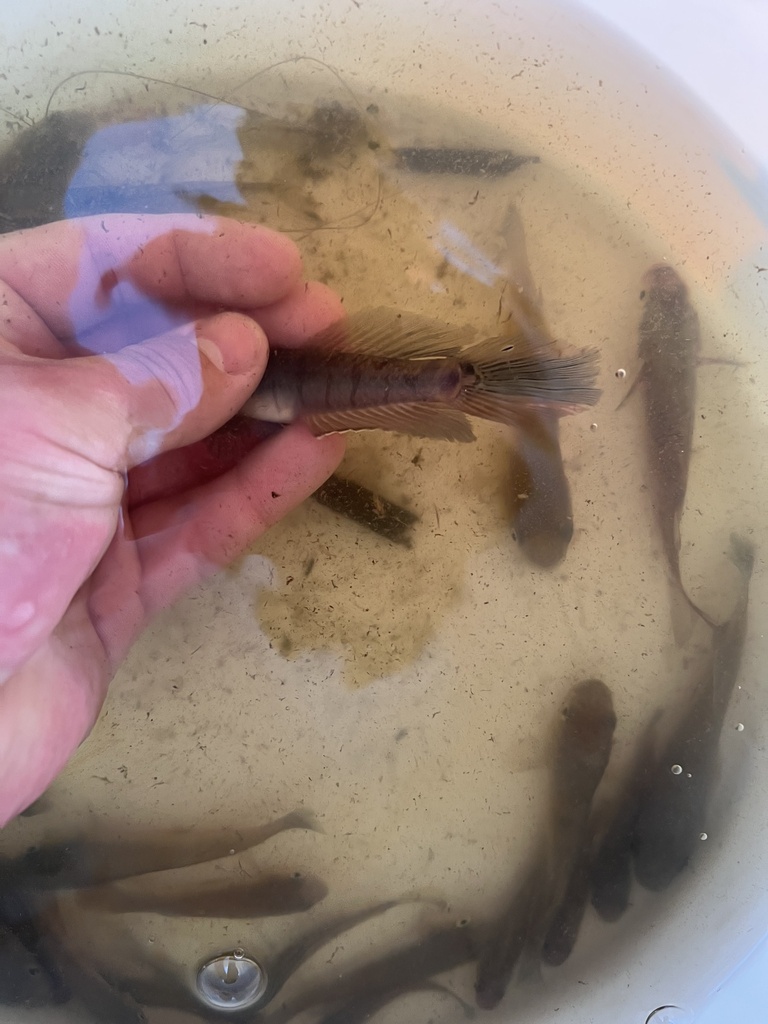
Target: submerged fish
(540, 497)
(271, 896)
(84, 862)
(481, 163)
(23, 979)
(584, 741)
(669, 351)
(673, 810)
(405, 968)
(610, 870)
(566, 920)
(395, 371)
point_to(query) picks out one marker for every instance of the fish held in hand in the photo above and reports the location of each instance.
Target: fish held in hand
(386, 370)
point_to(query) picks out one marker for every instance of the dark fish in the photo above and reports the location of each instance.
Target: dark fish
(395, 371)
(271, 896)
(566, 921)
(673, 811)
(84, 862)
(367, 508)
(584, 741)
(23, 979)
(610, 871)
(36, 167)
(540, 497)
(479, 163)
(21, 916)
(669, 351)
(410, 966)
(166, 989)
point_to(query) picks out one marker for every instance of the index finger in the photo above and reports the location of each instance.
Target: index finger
(76, 274)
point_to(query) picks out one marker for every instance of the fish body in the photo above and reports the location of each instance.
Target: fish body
(542, 515)
(566, 921)
(272, 896)
(672, 814)
(540, 496)
(404, 969)
(669, 343)
(23, 979)
(395, 371)
(78, 863)
(584, 741)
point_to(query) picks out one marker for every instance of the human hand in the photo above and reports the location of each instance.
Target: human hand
(81, 571)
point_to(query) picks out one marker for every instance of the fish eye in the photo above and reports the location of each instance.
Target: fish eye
(642, 294)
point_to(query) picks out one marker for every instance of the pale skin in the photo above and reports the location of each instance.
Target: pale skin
(182, 309)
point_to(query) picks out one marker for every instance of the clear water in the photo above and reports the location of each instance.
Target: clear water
(407, 697)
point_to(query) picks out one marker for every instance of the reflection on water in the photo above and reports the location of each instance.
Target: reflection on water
(419, 699)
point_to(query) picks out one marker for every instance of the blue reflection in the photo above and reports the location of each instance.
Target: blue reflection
(148, 166)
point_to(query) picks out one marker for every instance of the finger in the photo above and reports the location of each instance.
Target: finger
(21, 327)
(170, 391)
(183, 542)
(46, 710)
(76, 274)
(306, 310)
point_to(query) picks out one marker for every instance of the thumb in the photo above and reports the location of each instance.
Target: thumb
(179, 387)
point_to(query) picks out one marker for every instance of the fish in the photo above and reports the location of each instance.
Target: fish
(566, 920)
(389, 370)
(583, 747)
(23, 979)
(271, 896)
(539, 493)
(82, 862)
(669, 344)
(369, 509)
(441, 950)
(165, 989)
(540, 496)
(673, 811)
(479, 163)
(610, 869)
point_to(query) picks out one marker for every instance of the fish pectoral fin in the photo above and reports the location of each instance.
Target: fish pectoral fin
(394, 334)
(425, 419)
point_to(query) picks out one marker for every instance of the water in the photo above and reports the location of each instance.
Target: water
(407, 697)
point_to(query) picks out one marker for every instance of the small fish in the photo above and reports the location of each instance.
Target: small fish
(673, 811)
(23, 979)
(610, 870)
(566, 920)
(584, 741)
(540, 497)
(84, 862)
(272, 896)
(404, 968)
(477, 163)
(367, 508)
(669, 350)
(396, 371)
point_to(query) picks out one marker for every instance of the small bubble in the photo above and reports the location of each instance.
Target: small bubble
(239, 953)
(593, 426)
(231, 853)
(621, 374)
(676, 769)
(703, 836)
(740, 727)
(151, 939)
(688, 775)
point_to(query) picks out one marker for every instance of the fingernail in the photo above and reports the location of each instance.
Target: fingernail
(233, 342)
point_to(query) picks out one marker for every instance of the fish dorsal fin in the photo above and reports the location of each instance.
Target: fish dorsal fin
(427, 419)
(395, 334)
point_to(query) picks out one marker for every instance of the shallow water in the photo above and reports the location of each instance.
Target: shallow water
(407, 697)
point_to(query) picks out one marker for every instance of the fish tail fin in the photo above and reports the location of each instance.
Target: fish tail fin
(511, 377)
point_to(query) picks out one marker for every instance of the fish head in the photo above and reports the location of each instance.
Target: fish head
(664, 282)
(546, 546)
